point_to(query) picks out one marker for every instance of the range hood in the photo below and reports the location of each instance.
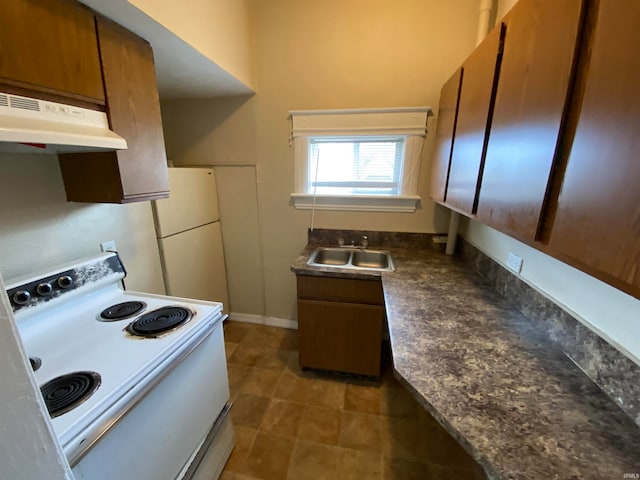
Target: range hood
(30, 125)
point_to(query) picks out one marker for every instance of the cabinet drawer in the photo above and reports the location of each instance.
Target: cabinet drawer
(368, 292)
(341, 337)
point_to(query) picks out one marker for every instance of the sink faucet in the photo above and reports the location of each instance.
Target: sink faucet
(365, 243)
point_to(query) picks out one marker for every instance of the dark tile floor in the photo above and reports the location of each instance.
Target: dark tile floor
(297, 425)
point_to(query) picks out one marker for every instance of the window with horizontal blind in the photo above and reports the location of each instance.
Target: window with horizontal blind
(365, 159)
(356, 165)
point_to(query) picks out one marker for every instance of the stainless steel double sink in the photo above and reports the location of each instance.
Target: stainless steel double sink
(353, 258)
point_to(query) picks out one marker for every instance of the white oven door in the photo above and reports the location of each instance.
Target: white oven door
(155, 439)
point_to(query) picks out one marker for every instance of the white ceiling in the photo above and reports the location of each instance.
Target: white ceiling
(182, 71)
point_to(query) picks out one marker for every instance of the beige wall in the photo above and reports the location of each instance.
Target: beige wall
(40, 229)
(314, 55)
(219, 29)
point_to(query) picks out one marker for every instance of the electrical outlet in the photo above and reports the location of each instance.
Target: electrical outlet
(514, 262)
(439, 239)
(109, 246)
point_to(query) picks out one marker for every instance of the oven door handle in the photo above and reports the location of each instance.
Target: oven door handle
(80, 445)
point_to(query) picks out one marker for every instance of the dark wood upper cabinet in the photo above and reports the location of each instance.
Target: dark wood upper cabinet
(447, 115)
(140, 172)
(597, 214)
(535, 77)
(546, 148)
(50, 47)
(474, 118)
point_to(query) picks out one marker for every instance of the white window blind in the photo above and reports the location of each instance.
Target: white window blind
(355, 165)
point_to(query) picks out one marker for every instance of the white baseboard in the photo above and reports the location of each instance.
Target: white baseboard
(246, 318)
(261, 320)
(281, 322)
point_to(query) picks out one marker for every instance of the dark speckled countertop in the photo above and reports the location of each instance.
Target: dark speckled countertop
(509, 395)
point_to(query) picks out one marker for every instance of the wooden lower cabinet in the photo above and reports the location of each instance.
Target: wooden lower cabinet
(343, 337)
(340, 324)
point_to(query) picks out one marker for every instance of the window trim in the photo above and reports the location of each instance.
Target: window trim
(408, 122)
(356, 203)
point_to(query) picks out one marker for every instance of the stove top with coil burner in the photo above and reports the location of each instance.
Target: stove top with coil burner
(160, 322)
(66, 392)
(62, 329)
(121, 311)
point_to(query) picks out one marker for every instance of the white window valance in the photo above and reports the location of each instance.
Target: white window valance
(364, 121)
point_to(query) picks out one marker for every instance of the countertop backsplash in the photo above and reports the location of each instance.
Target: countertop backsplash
(328, 237)
(616, 374)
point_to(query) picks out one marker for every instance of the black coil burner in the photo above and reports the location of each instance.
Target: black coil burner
(66, 392)
(122, 310)
(157, 322)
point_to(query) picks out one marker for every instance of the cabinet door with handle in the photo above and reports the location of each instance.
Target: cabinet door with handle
(597, 219)
(535, 76)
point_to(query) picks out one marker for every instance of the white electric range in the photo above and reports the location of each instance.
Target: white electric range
(135, 384)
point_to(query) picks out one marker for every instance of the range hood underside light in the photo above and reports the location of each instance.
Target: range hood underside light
(29, 125)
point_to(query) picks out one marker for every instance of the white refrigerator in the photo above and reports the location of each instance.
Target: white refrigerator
(189, 236)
